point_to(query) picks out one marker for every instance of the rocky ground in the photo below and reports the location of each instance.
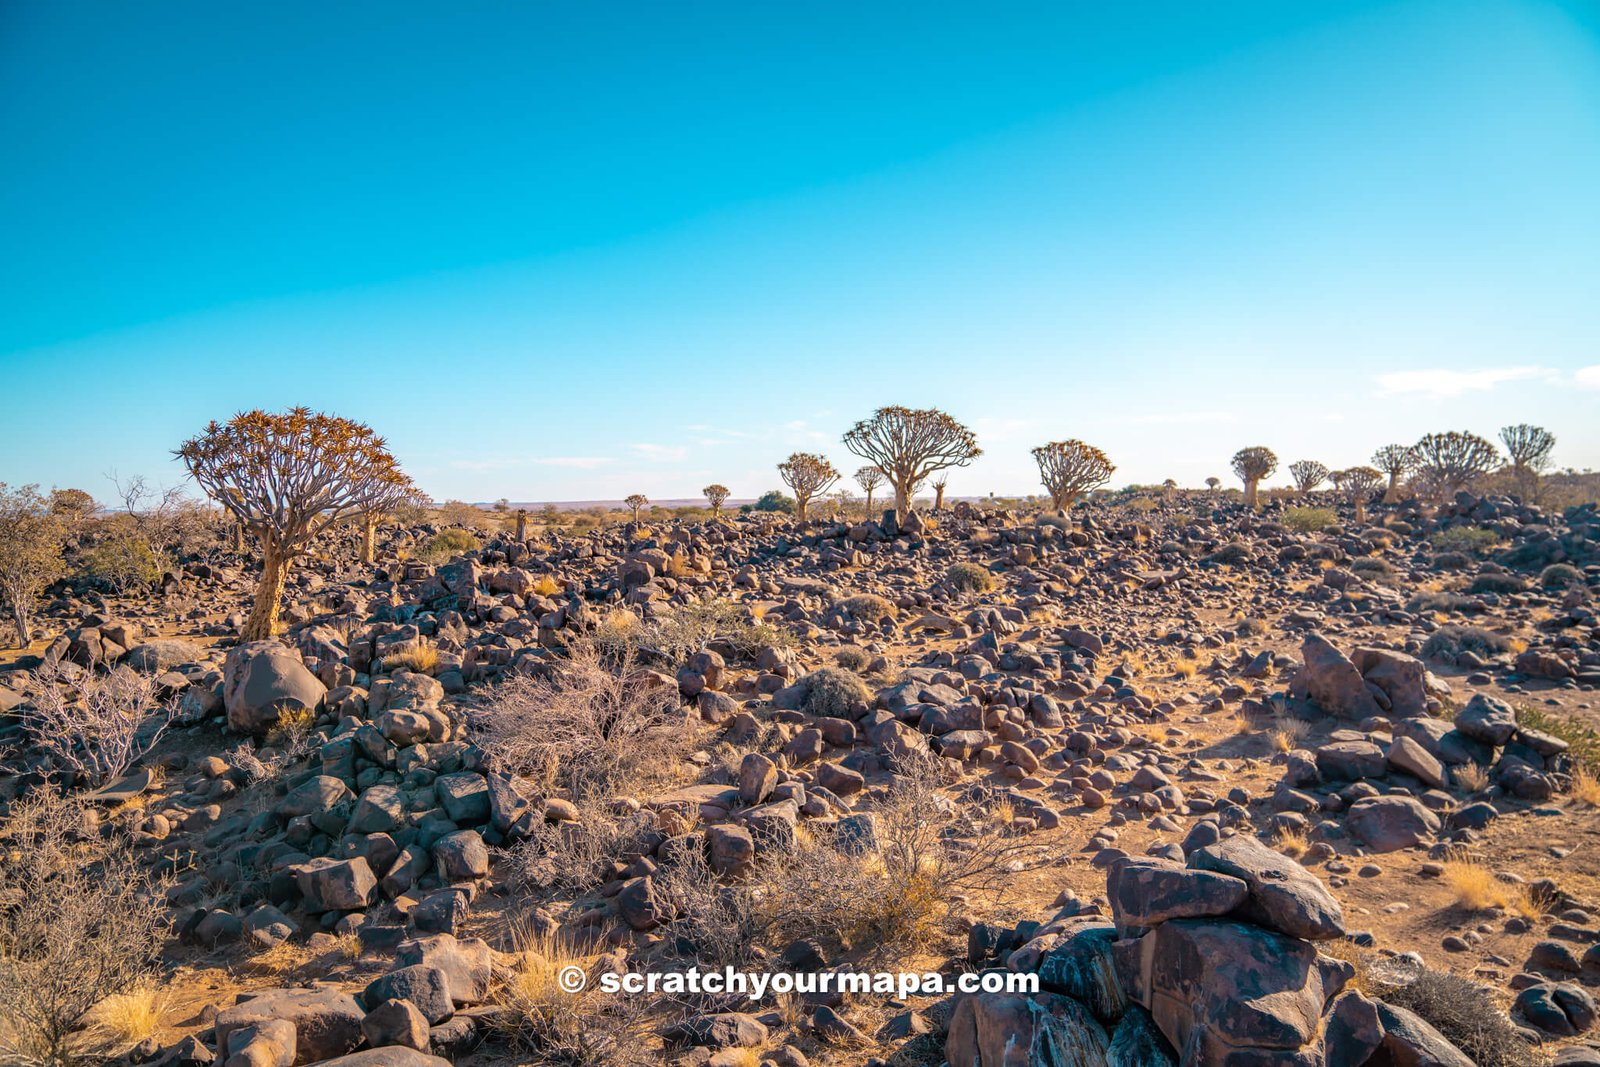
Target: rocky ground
(1240, 788)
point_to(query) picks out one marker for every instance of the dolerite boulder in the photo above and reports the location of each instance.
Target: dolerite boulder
(1330, 681)
(327, 1023)
(1227, 992)
(264, 680)
(1008, 1030)
(1144, 892)
(1487, 719)
(1396, 680)
(1389, 823)
(163, 655)
(1282, 895)
(390, 1056)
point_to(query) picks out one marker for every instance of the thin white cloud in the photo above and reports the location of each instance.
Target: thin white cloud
(582, 463)
(654, 453)
(1587, 377)
(1451, 383)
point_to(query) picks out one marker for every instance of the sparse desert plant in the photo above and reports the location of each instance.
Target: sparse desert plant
(1464, 1012)
(1069, 469)
(593, 722)
(82, 923)
(125, 1019)
(1451, 641)
(1560, 576)
(1288, 734)
(969, 578)
(1469, 540)
(121, 557)
(634, 502)
(716, 495)
(1586, 787)
(832, 692)
(447, 544)
(1583, 741)
(576, 856)
(1374, 570)
(1451, 461)
(910, 444)
(1529, 448)
(553, 1025)
(1471, 777)
(863, 607)
(422, 658)
(851, 658)
(1499, 584)
(1395, 461)
(285, 478)
(1431, 603)
(30, 553)
(1232, 554)
(1253, 465)
(96, 725)
(1309, 520)
(1291, 842)
(806, 474)
(548, 585)
(869, 479)
(1308, 474)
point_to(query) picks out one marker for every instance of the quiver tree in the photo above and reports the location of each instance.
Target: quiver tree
(1337, 478)
(1213, 483)
(1450, 461)
(938, 492)
(869, 478)
(30, 553)
(1529, 448)
(1252, 465)
(716, 495)
(909, 444)
(1395, 461)
(1069, 469)
(1361, 483)
(1307, 474)
(635, 502)
(806, 474)
(285, 478)
(401, 497)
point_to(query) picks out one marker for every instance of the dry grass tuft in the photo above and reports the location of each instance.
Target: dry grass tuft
(1471, 777)
(424, 659)
(1586, 787)
(547, 585)
(125, 1019)
(1292, 843)
(1477, 888)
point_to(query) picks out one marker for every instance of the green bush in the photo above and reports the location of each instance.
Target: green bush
(1309, 520)
(969, 578)
(1559, 576)
(771, 500)
(1467, 540)
(447, 544)
(123, 560)
(1583, 742)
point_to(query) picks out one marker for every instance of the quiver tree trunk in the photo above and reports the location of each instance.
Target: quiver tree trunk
(369, 537)
(236, 535)
(1393, 493)
(19, 615)
(938, 498)
(522, 525)
(263, 620)
(1250, 492)
(902, 499)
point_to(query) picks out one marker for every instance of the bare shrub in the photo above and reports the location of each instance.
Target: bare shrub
(575, 856)
(30, 553)
(1466, 1013)
(96, 725)
(883, 898)
(79, 923)
(593, 723)
(969, 578)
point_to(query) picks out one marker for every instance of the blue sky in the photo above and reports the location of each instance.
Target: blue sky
(570, 251)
